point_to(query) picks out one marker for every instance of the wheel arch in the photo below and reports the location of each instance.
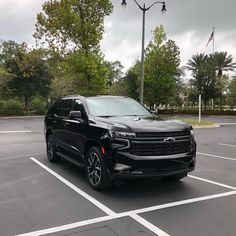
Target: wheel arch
(89, 144)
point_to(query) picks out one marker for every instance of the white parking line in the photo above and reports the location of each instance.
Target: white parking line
(133, 214)
(227, 123)
(15, 131)
(149, 225)
(105, 209)
(228, 145)
(211, 155)
(179, 203)
(68, 226)
(111, 214)
(21, 156)
(212, 182)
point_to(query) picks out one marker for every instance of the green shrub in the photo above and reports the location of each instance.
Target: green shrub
(11, 107)
(40, 105)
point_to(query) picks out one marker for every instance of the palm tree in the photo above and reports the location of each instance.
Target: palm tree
(198, 66)
(223, 62)
(196, 62)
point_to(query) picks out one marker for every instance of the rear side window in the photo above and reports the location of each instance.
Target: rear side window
(58, 108)
(66, 108)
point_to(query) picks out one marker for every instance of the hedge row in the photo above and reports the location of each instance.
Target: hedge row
(14, 107)
(195, 112)
(11, 107)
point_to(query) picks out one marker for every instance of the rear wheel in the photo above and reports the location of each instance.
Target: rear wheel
(96, 170)
(51, 150)
(175, 177)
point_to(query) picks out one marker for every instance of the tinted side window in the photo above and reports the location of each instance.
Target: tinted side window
(57, 108)
(67, 107)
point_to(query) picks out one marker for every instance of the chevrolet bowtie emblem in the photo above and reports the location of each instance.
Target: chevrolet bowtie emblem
(169, 140)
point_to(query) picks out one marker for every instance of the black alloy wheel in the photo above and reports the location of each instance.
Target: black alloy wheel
(96, 170)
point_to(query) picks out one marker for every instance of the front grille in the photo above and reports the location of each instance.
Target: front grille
(162, 134)
(160, 148)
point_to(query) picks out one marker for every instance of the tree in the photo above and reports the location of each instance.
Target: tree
(68, 25)
(223, 62)
(161, 69)
(28, 69)
(5, 77)
(115, 71)
(232, 93)
(204, 77)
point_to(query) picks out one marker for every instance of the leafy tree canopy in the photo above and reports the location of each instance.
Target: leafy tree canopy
(161, 68)
(72, 24)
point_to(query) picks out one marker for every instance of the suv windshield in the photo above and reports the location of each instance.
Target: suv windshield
(106, 107)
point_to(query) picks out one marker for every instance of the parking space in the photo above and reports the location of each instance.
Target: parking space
(55, 199)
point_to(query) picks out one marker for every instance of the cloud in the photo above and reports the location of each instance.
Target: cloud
(188, 22)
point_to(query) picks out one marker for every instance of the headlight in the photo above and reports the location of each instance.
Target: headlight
(192, 133)
(115, 134)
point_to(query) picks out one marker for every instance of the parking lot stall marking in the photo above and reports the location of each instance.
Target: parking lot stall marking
(228, 145)
(105, 209)
(21, 156)
(69, 226)
(212, 182)
(211, 155)
(227, 123)
(133, 214)
(111, 214)
(178, 203)
(149, 225)
(14, 131)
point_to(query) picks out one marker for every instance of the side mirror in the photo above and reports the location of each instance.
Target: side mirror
(74, 115)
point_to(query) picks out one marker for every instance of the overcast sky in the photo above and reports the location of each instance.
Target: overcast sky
(188, 22)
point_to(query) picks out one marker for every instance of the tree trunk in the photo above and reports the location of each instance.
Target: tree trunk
(26, 99)
(221, 101)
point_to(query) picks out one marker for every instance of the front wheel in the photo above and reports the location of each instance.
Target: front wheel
(96, 170)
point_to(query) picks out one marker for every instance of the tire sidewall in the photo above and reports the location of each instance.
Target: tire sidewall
(104, 181)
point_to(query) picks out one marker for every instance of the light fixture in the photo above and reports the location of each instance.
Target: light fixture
(163, 10)
(124, 3)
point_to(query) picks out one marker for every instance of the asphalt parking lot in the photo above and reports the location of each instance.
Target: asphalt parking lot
(41, 198)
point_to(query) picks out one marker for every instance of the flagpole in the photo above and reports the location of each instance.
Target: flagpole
(213, 43)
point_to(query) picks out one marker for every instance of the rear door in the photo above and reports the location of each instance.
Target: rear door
(77, 131)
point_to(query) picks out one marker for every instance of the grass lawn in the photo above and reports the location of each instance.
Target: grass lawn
(194, 122)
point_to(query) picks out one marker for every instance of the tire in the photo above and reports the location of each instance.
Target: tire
(96, 170)
(175, 178)
(51, 150)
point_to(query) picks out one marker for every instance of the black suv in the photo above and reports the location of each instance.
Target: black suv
(116, 137)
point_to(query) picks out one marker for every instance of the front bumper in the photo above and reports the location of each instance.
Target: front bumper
(128, 166)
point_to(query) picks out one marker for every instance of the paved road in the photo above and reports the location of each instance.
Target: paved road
(37, 195)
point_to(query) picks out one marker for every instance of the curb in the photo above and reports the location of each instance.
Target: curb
(206, 126)
(19, 117)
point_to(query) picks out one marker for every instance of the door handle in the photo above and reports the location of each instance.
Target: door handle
(54, 122)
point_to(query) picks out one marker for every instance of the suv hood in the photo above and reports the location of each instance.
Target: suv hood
(143, 124)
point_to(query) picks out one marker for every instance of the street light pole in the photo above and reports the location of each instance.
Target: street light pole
(144, 9)
(142, 57)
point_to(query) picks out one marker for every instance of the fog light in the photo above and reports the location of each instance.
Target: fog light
(121, 167)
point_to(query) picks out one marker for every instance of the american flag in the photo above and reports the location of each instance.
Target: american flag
(211, 38)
